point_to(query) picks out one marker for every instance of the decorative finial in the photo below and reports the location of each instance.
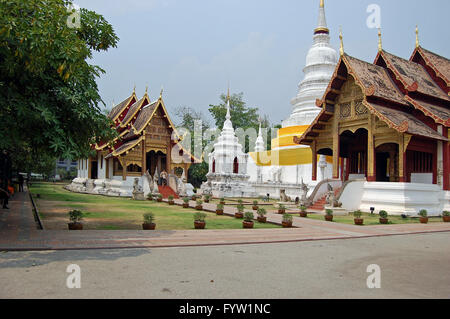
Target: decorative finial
(417, 36)
(341, 50)
(134, 89)
(161, 93)
(228, 116)
(322, 4)
(146, 89)
(228, 93)
(380, 43)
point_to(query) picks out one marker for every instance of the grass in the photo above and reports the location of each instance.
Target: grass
(112, 213)
(374, 219)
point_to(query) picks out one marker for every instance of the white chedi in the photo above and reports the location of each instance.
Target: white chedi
(227, 176)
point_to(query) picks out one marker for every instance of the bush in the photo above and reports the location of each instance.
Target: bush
(199, 202)
(186, 200)
(445, 213)
(160, 196)
(240, 208)
(303, 208)
(222, 199)
(248, 216)
(357, 214)
(281, 206)
(76, 216)
(383, 214)
(329, 212)
(240, 201)
(149, 218)
(287, 218)
(219, 207)
(199, 217)
(207, 197)
(262, 212)
(150, 196)
(423, 213)
(170, 198)
(255, 202)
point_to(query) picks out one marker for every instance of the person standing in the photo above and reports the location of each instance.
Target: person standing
(164, 178)
(21, 180)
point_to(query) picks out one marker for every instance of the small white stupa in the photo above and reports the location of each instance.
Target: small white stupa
(227, 176)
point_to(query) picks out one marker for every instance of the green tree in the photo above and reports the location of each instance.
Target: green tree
(49, 100)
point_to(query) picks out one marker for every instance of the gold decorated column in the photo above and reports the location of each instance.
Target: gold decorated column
(314, 160)
(336, 144)
(371, 170)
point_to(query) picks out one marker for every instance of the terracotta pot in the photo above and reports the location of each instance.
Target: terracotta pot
(219, 211)
(194, 198)
(281, 211)
(255, 207)
(303, 214)
(286, 224)
(146, 226)
(199, 225)
(239, 215)
(262, 219)
(446, 219)
(424, 220)
(359, 221)
(384, 220)
(329, 218)
(206, 200)
(185, 205)
(246, 224)
(199, 207)
(159, 200)
(75, 226)
(171, 202)
(223, 203)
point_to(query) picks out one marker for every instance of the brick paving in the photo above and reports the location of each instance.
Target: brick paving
(18, 231)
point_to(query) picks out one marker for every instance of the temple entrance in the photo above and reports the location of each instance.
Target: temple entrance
(156, 159)
(94, 170)
(387, 163)
(353, 147)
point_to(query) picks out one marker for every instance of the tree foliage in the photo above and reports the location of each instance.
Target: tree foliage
(49, 100)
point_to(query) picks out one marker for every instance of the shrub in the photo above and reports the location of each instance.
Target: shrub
(149, 218)
(248, 216)
(207, 197)
(445, 213)
(329, 212)
(423, 213)
(383, 214)
(240, 208)
(219, 207)
(255, 202)
(150, 196)
(303, 208)
(281, 206)
(170, 198)
(357, 214)
(76, 216)
(186, 200)
(199, 217)
(160, 196)
(240, 201)
(262, 212)
(222, 199)
(199, 202)
(287, 218)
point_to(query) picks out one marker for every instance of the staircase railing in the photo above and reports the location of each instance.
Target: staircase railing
(321, 189)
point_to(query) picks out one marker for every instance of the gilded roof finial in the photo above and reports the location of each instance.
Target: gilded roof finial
(134, 89)
(322, 4)
(341, 49)
(380, 43)
(417, 36)
(161, 93)
(146, 89)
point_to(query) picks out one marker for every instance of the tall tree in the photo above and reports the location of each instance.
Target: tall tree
(49, 100)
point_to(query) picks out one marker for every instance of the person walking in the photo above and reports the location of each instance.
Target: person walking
(21, 180)
(164, 178)
(4, 195)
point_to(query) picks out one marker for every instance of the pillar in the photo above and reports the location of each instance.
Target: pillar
(169, 158)
(446, 161)
(336, 155)
(124, 170)
(402, 160)
(144, 157)
(314, 160)
(371, 166)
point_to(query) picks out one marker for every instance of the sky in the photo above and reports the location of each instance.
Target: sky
(194, 48)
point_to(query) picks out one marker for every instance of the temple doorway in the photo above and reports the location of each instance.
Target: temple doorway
(353, 147)
(94, 170)
(156, 159)
(387, 163)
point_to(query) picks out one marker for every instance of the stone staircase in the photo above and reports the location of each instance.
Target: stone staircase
(166, 191)
(319, 205)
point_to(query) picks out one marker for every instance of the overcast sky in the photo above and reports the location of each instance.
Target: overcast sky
(193, 48)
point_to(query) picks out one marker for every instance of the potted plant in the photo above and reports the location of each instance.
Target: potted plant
(303, 212)
(240, 212)
(150, 196)
(446, 216)
(186, 202)
(199, 220)
(222, 200)
(171, 201)
(199, 203)
(262, 215)
(281, 209)
(194, 197)
(357, 218)
(383, 217)
(287, 221)
(240, 201)
(149, 221)
(75, 216)
(248, 220)
(423, 216)
(255, 205)
(219, 209)
(207, 198)
(160, 198)
(329, 215)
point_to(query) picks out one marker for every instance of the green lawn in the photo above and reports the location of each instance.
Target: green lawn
(112, 213)
(374, 219)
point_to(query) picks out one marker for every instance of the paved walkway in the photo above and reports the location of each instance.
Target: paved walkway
(18, 231)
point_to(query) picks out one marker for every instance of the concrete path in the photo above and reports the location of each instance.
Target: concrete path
(18, 231)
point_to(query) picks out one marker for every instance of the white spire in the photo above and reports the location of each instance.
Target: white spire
(228, 117)
(322, 24)
(259, 145)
